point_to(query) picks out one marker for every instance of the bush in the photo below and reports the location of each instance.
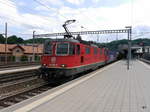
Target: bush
(24, 58)
(11, 58)
(37, 58)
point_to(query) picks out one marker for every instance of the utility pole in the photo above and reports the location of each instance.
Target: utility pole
(6, 43)
(33, 50)
(130, 41)
(129, 46)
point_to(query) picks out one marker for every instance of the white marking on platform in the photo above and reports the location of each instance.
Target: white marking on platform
(53, 95)
(146, 65)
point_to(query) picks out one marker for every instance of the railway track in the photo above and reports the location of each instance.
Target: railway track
(9, 65)
(18, 83)
(146, 61)
(9, 83)
(24, 94)
(22, 88)
(4, 78)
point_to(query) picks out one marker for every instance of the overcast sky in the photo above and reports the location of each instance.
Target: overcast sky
(24, 16)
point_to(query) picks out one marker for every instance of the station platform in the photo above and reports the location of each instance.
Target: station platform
(19, 69)
(110, 89)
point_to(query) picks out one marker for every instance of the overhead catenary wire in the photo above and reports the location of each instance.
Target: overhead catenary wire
(42, 4)
(14, 20)
(8, 4)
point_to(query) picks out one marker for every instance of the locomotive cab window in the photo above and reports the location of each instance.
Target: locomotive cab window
(48, 48)
(71, 49)
(62, 48)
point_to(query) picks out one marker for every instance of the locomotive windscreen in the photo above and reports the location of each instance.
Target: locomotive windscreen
(48, 48)
(62, 48)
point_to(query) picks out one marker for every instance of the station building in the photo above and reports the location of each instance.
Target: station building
(136, 50)
(18, 53)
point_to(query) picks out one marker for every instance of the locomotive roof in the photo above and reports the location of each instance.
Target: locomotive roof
(72, 40)
(62, 40)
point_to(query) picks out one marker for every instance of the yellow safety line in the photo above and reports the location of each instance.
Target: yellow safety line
(146, 65)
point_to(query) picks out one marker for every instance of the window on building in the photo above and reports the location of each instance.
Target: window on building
(87, 50)
(95, 50)
(17, 50)
(62, 49)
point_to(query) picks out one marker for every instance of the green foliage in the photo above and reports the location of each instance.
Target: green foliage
(11, 58)
(2, 39)
(37, 40)
(24, 58)
(111, 45)
(15, 40)
(37, 58)
(114, 44)
(146, 41)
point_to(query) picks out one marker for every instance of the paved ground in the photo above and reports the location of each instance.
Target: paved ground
(115, 89)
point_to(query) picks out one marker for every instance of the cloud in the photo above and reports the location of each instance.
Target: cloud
(52, 2)
(95, 1)
(76, 2)
(91, 18)
(21, 3)
(9, 13)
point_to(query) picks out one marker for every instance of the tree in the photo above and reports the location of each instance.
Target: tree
(37, 40)
(2, 39)
(15, 40)
(20, 40)
(12, 39)
(37, 58)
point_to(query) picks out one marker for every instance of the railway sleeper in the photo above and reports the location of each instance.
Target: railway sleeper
(3, 104)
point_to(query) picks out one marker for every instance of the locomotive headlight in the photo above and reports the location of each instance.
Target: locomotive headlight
(44, 65)
(63, 65)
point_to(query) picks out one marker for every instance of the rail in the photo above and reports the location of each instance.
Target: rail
(144, 60)
(4, 78)
(17, 64)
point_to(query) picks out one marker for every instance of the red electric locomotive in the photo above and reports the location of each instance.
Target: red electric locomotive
(68, 56)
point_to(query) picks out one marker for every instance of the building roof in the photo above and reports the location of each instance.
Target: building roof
(26, 48)
(11, 49)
